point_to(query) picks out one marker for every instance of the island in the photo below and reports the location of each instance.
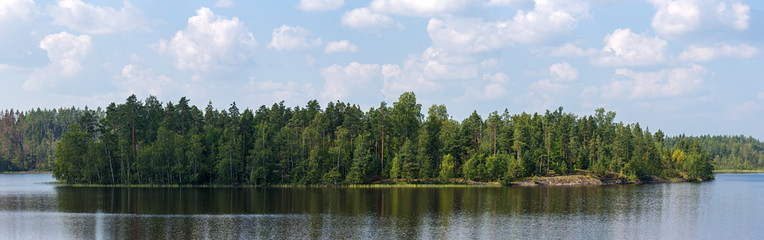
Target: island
(152, 143)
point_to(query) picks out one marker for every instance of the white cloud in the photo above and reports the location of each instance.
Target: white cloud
(563, 71)
(292, 38)
(547, 19)
(342, 80)
(91, 19)
(320, 5)
(570, 50)
(677, 17)
(16, 10)
(493, 89)
(624, 48)
(420, 7)
(468, 35)
(209, 41)
(65, 51)
(409, 78)
(364, 20)
(224, 3)
(672, 82)
(419, 73)
(735, 15)
(340, 46)
(696, 53)
(144, 82)
(437, 64)
(549, 89)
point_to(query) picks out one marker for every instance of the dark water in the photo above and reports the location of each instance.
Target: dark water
(731, 207)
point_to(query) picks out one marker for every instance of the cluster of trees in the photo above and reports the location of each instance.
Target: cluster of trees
(150, 143)
(729, 152)
(27, 139)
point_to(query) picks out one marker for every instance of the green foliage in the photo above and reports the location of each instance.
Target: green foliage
(447, 168)
(331, 177)
(395, 170)
(71, 156)
(473, 169)
(148, 142)
(362, 157)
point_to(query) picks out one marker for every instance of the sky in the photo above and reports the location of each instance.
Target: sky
(690, 67)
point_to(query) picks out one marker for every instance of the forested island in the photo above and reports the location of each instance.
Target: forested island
(150, 142)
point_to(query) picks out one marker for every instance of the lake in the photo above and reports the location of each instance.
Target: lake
(730, 207)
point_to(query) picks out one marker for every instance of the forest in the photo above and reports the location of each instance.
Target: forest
(149, 142)
(27, 139)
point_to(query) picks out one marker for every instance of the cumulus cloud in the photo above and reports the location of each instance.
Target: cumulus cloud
(494, 87)
(144, 81)
(420, 73)
(696, 53)
(292, 38)
(65, 51)
(91, 19)
(550, 91)
(16, 10)
(419, 8)
(672, 82)
(342, 80)
(676, 17)
(624, 48)
(320, 5)
(546, 20)
(438, 64)
(563, 71)
(340, 46)
(209, 41)
(364, 20)
(559, 77)
(397, 79)
(735, 14)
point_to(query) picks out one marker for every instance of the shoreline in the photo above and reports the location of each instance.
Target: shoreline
(589, 180)
(564, 180)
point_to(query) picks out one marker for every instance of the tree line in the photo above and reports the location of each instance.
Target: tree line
(148, 142)
(729, 152)
(27, 139)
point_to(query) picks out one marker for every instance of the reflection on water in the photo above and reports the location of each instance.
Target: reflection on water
(726, 208)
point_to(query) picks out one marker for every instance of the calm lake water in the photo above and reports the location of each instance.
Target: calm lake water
(731, 207)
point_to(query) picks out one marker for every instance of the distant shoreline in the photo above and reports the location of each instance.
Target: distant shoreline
(27, 172)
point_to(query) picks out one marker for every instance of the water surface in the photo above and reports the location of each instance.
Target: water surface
(728, 208)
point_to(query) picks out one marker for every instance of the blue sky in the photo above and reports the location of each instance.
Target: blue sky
(684, 66)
